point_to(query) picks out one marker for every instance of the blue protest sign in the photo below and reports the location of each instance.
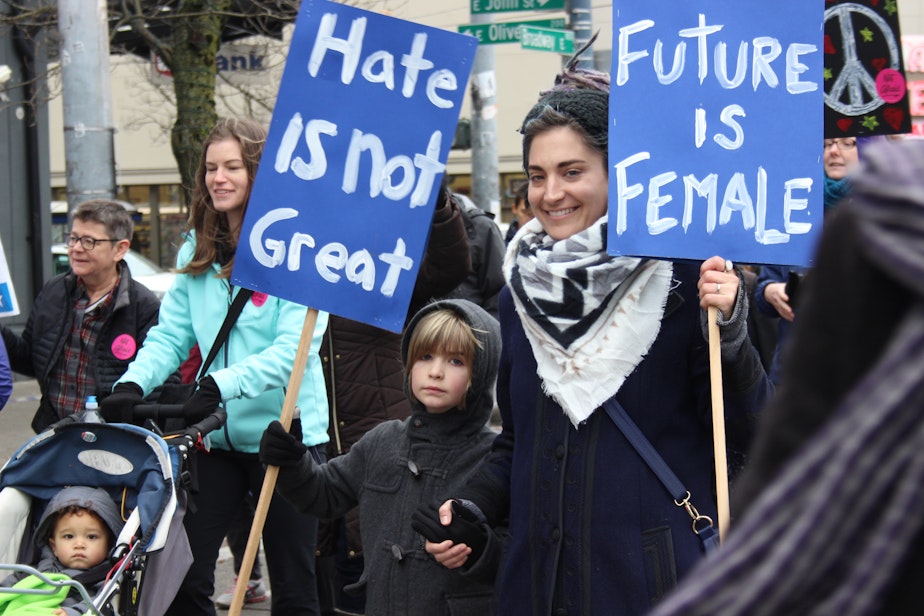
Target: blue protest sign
(9, 307)
(341, 206)
(715, 143)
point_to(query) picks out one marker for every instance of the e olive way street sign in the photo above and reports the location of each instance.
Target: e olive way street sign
(497, 33)
(547, 39)
(501, 6)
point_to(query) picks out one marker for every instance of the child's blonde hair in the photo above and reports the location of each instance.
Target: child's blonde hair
(442, 331)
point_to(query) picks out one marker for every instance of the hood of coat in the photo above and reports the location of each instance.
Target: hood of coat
(96, 500)
(479, 401)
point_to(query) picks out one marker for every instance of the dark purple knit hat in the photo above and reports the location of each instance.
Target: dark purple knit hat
(580, 94)
(588, 107)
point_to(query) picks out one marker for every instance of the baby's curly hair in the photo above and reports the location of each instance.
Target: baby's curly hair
(78, 510)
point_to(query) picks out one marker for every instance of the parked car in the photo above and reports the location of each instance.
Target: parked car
(145, 271)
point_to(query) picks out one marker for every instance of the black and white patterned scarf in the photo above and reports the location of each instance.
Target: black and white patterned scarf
(589, 317)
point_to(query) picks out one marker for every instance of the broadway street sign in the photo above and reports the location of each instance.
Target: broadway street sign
(547, 39)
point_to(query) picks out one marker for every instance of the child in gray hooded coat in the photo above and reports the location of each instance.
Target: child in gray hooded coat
(450, 351)
(74, 536)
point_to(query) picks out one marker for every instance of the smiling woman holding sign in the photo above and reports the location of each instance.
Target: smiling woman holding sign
(592, 530)
(248, 376)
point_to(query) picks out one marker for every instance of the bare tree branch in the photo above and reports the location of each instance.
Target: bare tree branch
(186, 35)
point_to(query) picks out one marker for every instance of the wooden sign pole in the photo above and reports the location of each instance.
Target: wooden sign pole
(272, 472)
(718, 421)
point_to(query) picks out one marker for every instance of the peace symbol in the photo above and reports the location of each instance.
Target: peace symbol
(854, 79)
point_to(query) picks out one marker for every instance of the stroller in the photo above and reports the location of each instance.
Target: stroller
(147, 474)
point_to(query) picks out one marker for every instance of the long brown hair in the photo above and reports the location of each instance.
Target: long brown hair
(211, 227)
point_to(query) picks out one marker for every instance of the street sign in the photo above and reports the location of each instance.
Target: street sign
(493, 34)
(501, 6)
(547, 39)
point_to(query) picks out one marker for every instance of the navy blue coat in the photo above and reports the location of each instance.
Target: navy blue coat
(770, 274)
(592, 530)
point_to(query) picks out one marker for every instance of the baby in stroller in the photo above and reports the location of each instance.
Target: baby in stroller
(146, 477)
(75, 534)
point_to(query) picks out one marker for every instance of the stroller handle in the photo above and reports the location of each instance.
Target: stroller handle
(141, 412)
(214, 421)
(211, 422)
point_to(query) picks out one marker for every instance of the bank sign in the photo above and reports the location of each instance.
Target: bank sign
(341, 206)
(236, 63)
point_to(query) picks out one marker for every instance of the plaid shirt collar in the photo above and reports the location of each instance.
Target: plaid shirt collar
(74, 374)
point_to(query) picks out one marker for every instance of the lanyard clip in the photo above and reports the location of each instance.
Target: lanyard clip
(700, 522)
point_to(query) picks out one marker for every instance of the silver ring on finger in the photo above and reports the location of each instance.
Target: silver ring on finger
(718, 288)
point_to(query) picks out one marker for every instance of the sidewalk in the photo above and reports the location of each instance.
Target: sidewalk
(224, 578)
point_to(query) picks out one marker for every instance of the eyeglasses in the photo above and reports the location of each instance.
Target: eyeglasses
(88, 243)
(842, 144)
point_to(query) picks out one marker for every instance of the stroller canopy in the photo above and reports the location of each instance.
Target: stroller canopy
(134, 465)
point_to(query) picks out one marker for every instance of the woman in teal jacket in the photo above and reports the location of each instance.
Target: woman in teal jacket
(248, 376)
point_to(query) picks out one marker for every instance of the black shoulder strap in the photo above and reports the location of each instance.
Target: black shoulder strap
(702, 525)
(233, 311)
(645, 449)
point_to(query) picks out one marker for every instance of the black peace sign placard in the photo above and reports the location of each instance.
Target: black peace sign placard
(865, 88)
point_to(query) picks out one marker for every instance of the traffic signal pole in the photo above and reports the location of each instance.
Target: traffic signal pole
(580, 21)
(485, 166)
(86, 94)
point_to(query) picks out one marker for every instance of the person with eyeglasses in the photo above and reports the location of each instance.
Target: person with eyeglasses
(848, 143)
(828, 510)
(776, 294)
(87, 324)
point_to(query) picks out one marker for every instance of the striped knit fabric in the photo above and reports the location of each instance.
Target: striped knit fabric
(831, 533)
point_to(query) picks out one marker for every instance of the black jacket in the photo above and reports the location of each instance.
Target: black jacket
(398, 466)
(484, 282)
(37, 351)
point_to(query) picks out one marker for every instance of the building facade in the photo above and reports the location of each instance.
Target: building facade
(142, 108)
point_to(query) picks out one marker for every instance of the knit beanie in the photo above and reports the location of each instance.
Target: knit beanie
(580, 94)
(589, 108)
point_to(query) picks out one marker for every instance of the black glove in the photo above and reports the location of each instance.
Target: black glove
(281, 448)
(203, 402)
(464, 528)
(118, 406)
